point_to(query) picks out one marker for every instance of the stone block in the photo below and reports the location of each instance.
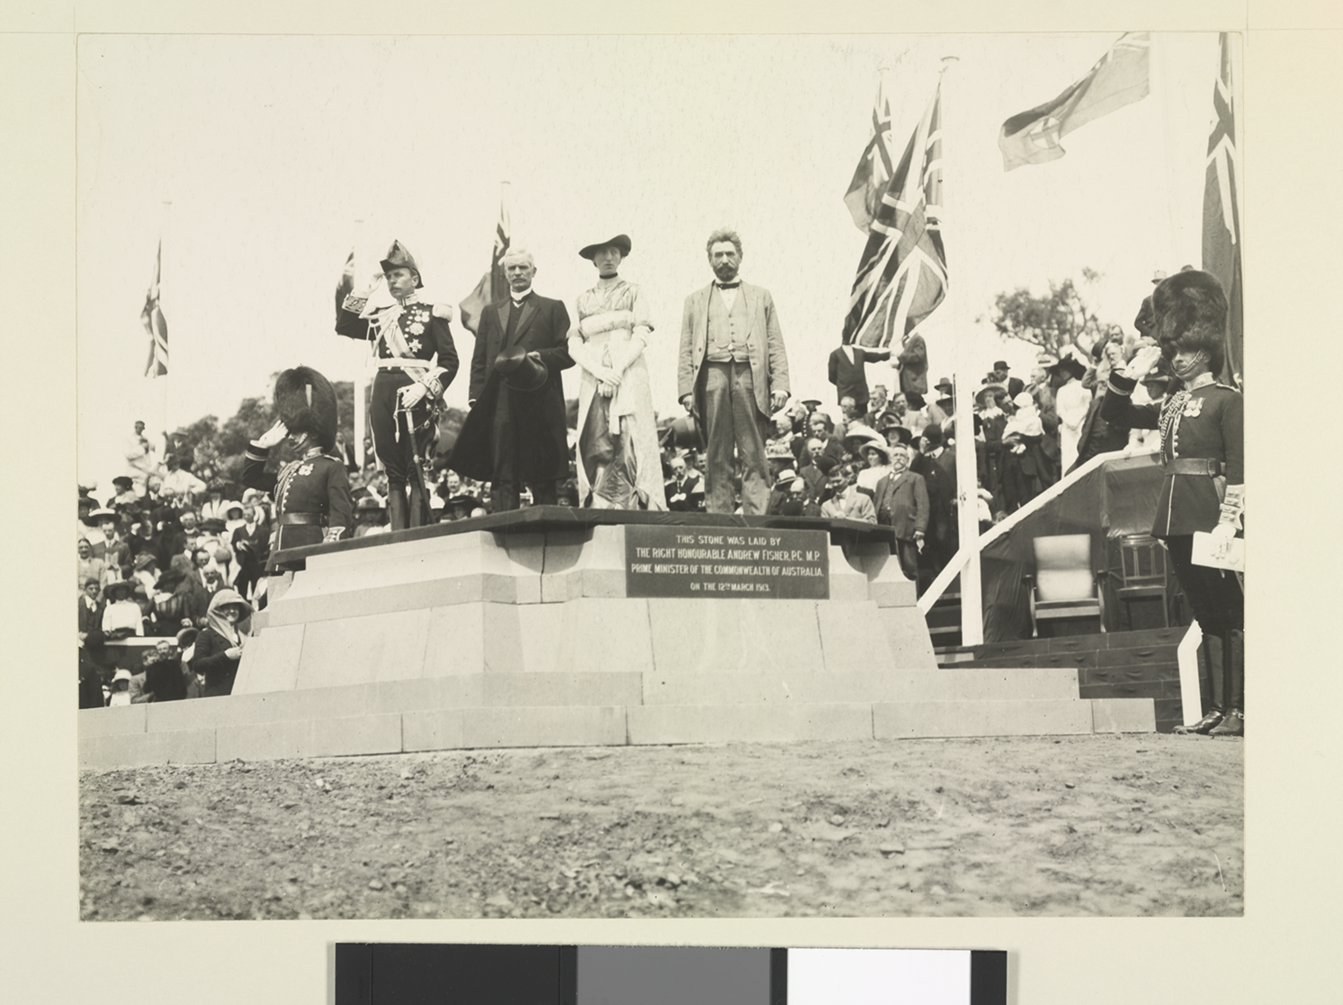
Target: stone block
(192, 746)
(573, 689)
(112, 721)
(907, 633)
(437, 729)
(1123, 715)
(362, 650)
(591, 566)
(474, 638)
(852, 635)
(984, 684)
(799, 688)
(907, 720)
(604, 635)
(544, 727)
(539, 629)
(652, 724)
(734, 636)
(362, 734)
(848, 577)
(270, 661)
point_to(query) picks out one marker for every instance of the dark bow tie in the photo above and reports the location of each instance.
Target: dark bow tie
(729, 286)
(519, 301)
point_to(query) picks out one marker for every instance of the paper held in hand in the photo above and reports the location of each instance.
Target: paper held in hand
(1234, 559)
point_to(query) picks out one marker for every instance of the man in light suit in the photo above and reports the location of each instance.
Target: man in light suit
(515, 431)
(732, 376)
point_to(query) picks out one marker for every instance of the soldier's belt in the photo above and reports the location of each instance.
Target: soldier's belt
(313, 519)
(408, 365)
(1206, 466)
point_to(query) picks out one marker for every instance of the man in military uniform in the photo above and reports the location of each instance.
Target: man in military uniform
(1202, 449)
(311, 493)
(416, 358)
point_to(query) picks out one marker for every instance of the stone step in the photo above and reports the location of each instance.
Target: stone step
(912, 720)
(873, 686)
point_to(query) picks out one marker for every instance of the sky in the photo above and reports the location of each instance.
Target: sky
(270, 148)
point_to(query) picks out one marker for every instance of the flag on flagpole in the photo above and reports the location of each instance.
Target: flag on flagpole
(1221, 213)
(873, 173)
(902, 276)
(156, 326)
(345, 286)
(492, 284)
(1120, 78)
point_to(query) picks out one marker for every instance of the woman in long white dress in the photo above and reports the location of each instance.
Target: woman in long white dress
(619, 464)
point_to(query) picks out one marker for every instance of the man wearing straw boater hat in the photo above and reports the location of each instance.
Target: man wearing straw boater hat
(516, 430)
(412, 342)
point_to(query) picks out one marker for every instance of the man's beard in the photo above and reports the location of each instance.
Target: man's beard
(725, 273)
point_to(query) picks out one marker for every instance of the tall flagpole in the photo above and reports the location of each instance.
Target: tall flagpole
(361, 367)
(967, 483)
(165, 390)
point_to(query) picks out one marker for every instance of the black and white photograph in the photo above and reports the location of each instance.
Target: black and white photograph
(643, 482)
(444, 578)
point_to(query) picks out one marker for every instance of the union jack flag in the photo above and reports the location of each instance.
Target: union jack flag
(1221, 212)
(902, 276)
(873, 173)
(493, 283)
(156, 326)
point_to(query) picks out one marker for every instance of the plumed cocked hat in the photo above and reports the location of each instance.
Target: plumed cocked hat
(305, 402)
(399, 257)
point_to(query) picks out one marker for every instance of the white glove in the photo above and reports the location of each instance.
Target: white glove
(606, 390)
(273, 436)
(1222, 536)
(412, 394)
(1143, 361)
(233, 652)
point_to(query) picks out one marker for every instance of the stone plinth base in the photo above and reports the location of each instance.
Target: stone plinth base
(518, 630)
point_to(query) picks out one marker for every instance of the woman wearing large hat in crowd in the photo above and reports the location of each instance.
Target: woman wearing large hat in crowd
(218, 647)
(311, 493)
(1203, 452)
(619, 463)
(411, 340)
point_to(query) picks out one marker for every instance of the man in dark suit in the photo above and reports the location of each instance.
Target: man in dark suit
(901, 501)
(516, 430)
(732, 375)
(941, 489)
(1014, 385)
(848, 373)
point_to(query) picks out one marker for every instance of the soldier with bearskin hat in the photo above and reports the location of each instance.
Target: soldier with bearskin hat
(412, 342)
(311, 493)
(1202, 450)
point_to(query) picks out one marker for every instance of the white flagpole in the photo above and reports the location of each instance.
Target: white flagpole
(360, 370)
(967, 483)
(165, 412)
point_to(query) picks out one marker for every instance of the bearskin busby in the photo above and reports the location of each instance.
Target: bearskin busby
(305, 402)
(1189, 312)
(399, 257)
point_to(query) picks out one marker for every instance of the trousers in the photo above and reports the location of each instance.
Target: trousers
(733, 420)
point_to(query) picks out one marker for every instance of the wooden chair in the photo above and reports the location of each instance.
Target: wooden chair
(1064, 585)
(1143, 572)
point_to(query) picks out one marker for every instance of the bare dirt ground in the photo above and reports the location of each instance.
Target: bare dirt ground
(1076, 826)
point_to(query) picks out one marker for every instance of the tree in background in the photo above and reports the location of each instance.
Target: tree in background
(1060, 319)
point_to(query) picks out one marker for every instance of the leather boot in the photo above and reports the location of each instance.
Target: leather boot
(503, 497)
(1210, 668)
(419, 505)
(397, 517)
(1233, 662)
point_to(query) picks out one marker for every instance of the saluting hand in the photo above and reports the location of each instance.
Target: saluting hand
(273, 436)
(1143, 362)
